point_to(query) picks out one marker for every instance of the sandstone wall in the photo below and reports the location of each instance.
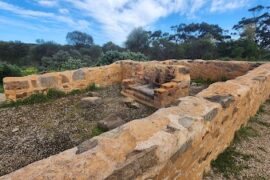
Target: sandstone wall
(20, 87)
(215, 70)
(174, 143)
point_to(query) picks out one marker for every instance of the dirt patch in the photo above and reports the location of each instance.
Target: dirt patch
(249, 155)
(195, 88)
(33, 132)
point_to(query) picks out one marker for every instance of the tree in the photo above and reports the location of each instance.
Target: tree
(187, 32)
(261, 24)
(79, 39)
(138, 40)
(110, 46)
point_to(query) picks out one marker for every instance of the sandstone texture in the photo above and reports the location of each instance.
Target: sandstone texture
(154, 84)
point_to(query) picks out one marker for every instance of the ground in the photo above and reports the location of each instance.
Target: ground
(33, 132)
(249, 155)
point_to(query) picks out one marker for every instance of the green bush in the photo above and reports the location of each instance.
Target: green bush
(55, 94)
(8, 70)
(112, 56)
(29, 71)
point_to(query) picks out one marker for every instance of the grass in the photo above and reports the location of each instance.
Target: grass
(1, 88)
(227, 164)
(97, 131)
(51, 94)
(244, 133)
(208, 81)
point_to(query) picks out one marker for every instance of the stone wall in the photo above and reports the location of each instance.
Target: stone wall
(215, 70)
(173, 143)
(21, 87)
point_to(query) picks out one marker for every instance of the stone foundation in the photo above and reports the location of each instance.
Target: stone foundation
(178, 142)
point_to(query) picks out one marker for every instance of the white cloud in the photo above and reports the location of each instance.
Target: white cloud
(119, 17)
(48, 3)
(78, 24)
(224, 5)
(63, 11)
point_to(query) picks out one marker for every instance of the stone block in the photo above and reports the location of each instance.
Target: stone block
(88, 102)
(111, 122)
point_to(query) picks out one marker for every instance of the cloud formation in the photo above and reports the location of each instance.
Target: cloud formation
(79, 24)
(116, 18)
(119, 17)
(224, 5)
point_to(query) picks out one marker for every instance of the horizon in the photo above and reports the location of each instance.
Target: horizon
(105, 21)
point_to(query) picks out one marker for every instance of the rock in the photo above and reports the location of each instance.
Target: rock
(111, 122)
(90, 101)
(15, 129)
(131, 103)
(93, 94)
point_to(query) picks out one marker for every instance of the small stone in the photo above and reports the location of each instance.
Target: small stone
(131, 103)
(111, 122)
(15, 129)
(90, 101)
(93, 94)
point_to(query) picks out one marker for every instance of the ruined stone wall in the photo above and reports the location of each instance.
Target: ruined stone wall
(215, 70)
(176, 142)
(21, 87)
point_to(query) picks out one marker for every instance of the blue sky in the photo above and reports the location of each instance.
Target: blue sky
(111, 20)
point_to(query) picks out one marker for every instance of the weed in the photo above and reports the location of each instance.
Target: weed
(97, 131)
(1, 88)
(92, 87)
(55, 94)
(33, 99)
(203, 81)
(226, 162)
(75, 92)
(244, 133)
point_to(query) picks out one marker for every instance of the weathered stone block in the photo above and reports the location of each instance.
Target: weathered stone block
(224, 100)
(111, 122)
(88, 102)
(78, 75)
(48, 81)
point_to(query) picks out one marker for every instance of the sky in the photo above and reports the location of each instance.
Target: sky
(111, 20)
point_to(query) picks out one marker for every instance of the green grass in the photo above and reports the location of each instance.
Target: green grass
(51, 95)
(1, 88)
(244, 133)
(226, 163)
(209, 81)
(97, 131)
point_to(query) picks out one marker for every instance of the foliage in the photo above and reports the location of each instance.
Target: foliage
(8, 70)
(97, 131)
(112, 56)
(62, 60)
(138, 40)
(226, 162)
(79, 39)
(110, 46)
(256, 27)
(187, 32)
(29, 71)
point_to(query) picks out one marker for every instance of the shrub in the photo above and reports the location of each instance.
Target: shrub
(8, 70)
(112, 56)
(29, 71)
(55, 94)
